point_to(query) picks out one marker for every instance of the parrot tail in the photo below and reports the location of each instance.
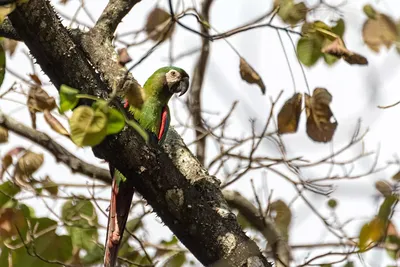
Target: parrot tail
(121, 199)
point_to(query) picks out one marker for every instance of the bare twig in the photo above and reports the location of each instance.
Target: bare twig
(197, 84)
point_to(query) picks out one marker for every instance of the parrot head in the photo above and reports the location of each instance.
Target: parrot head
(167, 81)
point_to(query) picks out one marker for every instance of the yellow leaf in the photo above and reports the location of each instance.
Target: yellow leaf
(370, 233)
(250, 75)
(88, 126)
(320, 128)
(54, 123)
(289, 115)
(5, 10)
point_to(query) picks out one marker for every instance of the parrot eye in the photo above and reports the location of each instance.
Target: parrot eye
(173, 73)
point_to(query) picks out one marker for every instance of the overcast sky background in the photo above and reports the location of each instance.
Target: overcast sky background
(356, 93)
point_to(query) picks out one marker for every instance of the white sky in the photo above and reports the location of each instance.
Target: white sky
(356, 93)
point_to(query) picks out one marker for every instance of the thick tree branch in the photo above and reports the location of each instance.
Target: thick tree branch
(187, 199)
(264, 225)
(112, 16)
(8, 31)
(59, 152)
(197, 84)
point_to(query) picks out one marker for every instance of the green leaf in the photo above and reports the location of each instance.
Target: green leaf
(386, 208)
(349, 264)
(332, 203)
(116, 121)
(68, 98)
(173, 241)
(88, 126)
(339, 28)
(7, 191)
(82, 219)
(370, 11)
(176, 260)
(50, 186)
(94, 256)
(309, 49)
(330, 59)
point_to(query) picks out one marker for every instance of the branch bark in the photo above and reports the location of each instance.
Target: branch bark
(7, 30)
(59, 152)
(112, 16)
(197, 85)
(184, 195)
(265, 226)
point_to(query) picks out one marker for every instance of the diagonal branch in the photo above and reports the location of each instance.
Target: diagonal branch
(197, 84)
(112, 15)
(60, 153)
(265, 226)
(185, 196)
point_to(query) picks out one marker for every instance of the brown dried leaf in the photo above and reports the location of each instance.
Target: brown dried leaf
(6, 161)
(250, 75)
(123, 56)
(157, 25)
(28, 164)
(3, 135)
(379, 31)
(319, 115)
(10, 220)
(54, 123)
(35, 79)
(338, 49)
(396, 177)
(10, 45)
(384, 187)
(289, 115)
(39, 100)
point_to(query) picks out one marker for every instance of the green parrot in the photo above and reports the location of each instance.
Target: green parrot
(153, 116)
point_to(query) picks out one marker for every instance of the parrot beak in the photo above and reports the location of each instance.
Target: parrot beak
(182, 86)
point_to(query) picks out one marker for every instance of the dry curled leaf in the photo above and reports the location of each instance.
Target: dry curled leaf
(35, 79)
(250, 75)
(157, 25)
(28, 164)
(379, 31)
(320, 128)
(338, 49)
(54, 123)
(123, 56)
(384, 187)
(289, 115)
(3, 135)
(6, 161)
(39, 100)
